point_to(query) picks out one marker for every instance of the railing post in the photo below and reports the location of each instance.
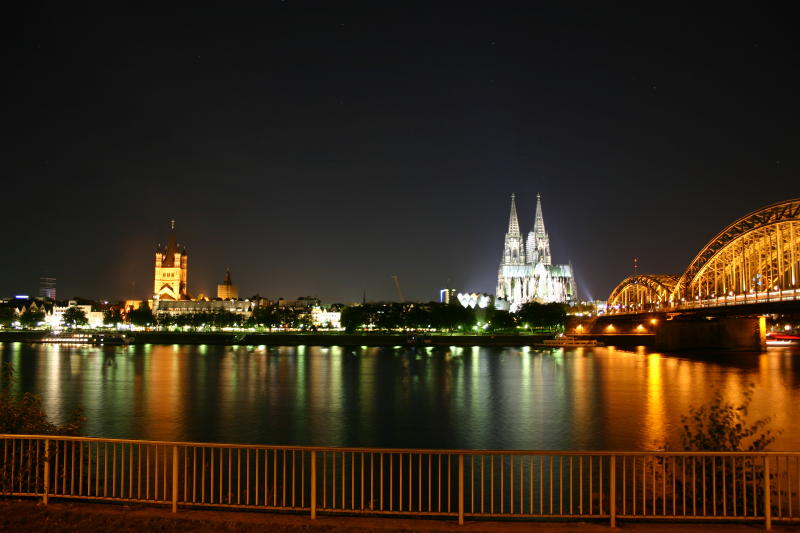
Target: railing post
(767, 496)
(313, 502)
(46, 470)
(612, 491)
(175, 479)
(461, 489)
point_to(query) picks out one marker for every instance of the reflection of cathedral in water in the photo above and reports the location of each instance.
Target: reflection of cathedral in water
(526, 271)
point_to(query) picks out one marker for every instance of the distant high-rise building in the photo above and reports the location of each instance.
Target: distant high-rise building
(526, 271)
(47, 288)
(227, 290)
(447, 296)
(171, 270)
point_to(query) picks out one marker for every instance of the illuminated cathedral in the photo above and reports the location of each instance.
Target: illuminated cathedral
(171, 270)
(526, 272)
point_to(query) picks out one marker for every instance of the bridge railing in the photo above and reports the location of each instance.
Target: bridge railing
(716, 301)
(462, 484)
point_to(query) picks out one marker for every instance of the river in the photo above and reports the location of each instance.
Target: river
(477, 398)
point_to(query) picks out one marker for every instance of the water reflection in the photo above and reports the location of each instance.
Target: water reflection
(447, 397)
(655, 434)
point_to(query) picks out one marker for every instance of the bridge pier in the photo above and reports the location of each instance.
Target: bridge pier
(682, 332)
(724, 333)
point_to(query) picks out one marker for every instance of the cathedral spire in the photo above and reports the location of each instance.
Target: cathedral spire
(513, 222)
(538, 244)
(514, 248)
(538, 224)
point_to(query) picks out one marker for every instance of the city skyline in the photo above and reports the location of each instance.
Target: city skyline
(321, 151)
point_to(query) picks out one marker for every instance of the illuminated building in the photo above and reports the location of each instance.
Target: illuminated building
(447, 296)
(244, 308)
(304, 303)
(47, 288)
(474, 299)
(227, 290)
(326, 318)
(55, 319)
(526, 272)
(171, 270)
(22, 303)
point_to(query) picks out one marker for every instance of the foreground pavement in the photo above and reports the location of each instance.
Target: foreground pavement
(31, 517)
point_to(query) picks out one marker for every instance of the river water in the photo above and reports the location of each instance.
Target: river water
(478, 398)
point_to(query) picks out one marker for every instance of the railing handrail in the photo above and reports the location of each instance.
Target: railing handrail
(717, 302)
(433, 451)
(489, 484)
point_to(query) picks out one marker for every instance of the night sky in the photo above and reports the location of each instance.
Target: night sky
(318, 149)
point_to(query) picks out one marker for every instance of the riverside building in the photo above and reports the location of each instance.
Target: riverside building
(243, 308)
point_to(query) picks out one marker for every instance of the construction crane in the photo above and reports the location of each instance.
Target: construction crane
(399, 290)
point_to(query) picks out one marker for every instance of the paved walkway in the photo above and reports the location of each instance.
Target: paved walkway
(30, 516)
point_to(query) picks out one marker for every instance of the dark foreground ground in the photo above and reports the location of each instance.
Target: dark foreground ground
(29, 517)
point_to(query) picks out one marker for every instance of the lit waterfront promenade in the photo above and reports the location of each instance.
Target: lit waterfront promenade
(308, 339)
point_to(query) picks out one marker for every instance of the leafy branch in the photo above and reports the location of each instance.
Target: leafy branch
(723, 426)
(25, 415)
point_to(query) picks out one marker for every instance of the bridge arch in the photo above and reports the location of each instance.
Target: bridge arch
(758, 253)
(646, 292)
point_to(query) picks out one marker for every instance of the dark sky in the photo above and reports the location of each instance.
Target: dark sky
(320, 148)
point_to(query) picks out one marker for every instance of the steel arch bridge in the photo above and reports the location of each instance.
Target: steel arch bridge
(645, 292)
(755, 259)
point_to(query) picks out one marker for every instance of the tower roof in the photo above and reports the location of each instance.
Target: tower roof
(227, 280)
(172, 246)
(513, 221)
(538, 225)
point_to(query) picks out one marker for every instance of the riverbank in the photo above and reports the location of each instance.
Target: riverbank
(21, 336)
(298, 339)
(338, 339)
(334, 339)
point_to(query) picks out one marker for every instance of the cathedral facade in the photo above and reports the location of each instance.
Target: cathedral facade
(171, 270)
(526, 272)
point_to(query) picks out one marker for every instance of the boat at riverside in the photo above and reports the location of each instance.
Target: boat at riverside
(93, 339)
(567, 341)
(779, 339)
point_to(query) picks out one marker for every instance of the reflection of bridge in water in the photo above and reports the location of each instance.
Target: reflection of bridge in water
(749, 269)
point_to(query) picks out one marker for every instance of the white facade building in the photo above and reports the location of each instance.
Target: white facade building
(56, 319)
(323, 318)
(474, 299)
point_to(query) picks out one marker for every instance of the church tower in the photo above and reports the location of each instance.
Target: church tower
(514, 249)
(511, 277)
(538, 245)
(227, 290)
(171, 270)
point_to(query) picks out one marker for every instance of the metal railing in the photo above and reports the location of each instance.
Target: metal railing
(786, 295)
(444, 483)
